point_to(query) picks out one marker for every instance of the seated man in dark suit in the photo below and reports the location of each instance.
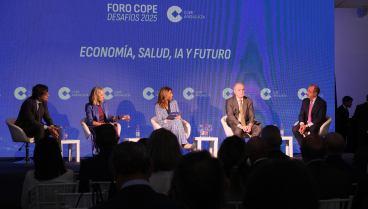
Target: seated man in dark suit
(97, 168)
(240, 114)
(336, 145)
(332, 183)
(342, 117)
(132, 168)
(257, 151)
(361, 122)
(273, 139)
(31, 113)
(312, 114)
(199, 181)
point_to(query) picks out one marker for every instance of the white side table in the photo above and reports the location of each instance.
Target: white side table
(213, 144)
(70, 143)
(288, 145)
(131, 139)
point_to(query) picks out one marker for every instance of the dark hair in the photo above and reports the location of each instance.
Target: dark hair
(39, 90)
(48, 162)
(234, 155)
(313, 146)
(106, 136)
(335, 143)
(316, 88)
(164, 149)
(143, 141)
(200, 180)
(130, 158)
(346, 99)
(272, 136)
(281, 184)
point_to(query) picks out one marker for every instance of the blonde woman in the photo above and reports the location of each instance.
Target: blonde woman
(97, 113)
(164, 106)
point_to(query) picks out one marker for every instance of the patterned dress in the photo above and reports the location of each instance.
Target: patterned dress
(175, 126)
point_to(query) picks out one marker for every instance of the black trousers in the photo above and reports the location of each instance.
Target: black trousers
(313, 130)
(256, 131)
(39, 132)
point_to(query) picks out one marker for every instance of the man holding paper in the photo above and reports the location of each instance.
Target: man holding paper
(240, 114)
(166, 105)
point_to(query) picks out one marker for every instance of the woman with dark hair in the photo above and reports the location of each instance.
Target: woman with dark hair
(165, 152)
(97, 113)
(234, 155)
(49, 168)
(163, 108)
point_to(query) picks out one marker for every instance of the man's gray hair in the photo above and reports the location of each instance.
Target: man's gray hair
(238, 83)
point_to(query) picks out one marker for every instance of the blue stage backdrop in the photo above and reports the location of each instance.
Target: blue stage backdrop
(133, 48)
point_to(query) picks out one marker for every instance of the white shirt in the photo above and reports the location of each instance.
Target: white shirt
(310, 124)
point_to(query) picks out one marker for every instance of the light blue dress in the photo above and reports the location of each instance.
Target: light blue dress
(175, 126)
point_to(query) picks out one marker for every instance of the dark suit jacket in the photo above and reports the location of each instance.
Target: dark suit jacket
(337, 162)
(332, 183)
(361, 117)
(28, 114)
(277, 154)
(232, 111)
(360, 159)
(318, 111)
(342, 120)
(139, 196)
(96, 168)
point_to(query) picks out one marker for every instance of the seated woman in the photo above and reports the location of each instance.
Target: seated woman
(164, 106)
(48, 168)
(234, 155)
(98, 113)
(165, 152)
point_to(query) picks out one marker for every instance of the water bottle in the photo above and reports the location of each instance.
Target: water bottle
(65, 133)
(282, 130)
(201, 130)
(137, 132)
(206, 130)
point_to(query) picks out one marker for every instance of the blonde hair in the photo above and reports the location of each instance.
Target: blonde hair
(93, 96)
(163, 94)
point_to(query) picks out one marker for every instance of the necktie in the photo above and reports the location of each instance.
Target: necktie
(39, 112)
(310, 112)
(242, 119)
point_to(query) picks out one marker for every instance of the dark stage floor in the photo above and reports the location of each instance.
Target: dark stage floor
(12, 177)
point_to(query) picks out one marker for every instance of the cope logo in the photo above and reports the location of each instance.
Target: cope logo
(266, 94)
(188, 93)
(173, 14)
(148, 93)
(227, 93)
(20, 93)
(64, 93)
(108, 93)
(302, 93)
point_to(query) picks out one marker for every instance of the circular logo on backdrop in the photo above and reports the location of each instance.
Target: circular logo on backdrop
(227, 93)
(302, 93)
(18, 91)
(64, 93)
(108, 93)
(265, 94)
(148, 93)
(173, 14)
(188, 93)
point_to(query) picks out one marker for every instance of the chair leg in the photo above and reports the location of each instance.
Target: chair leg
(27, 160)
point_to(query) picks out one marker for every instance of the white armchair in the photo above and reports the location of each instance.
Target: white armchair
(227, 128)
(187, 127)
(323, 130)
(87, 132)
(18, 135)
